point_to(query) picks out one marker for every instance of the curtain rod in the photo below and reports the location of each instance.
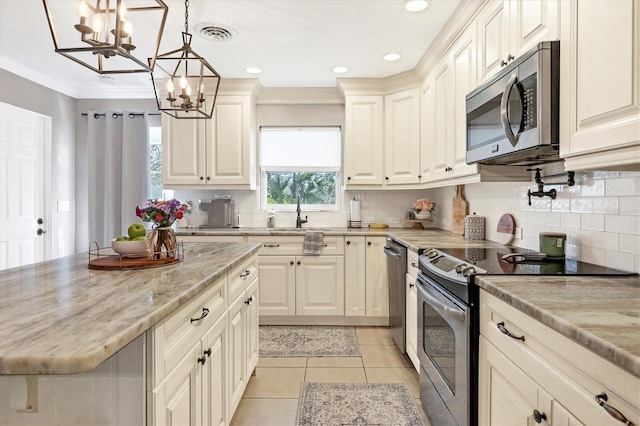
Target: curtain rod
(118, 114)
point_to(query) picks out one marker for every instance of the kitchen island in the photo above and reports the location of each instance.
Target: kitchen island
(59, 318)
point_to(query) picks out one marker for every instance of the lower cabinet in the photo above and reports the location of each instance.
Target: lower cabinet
(366, 286)
(203, 354)
(529, 373)
(412, 321)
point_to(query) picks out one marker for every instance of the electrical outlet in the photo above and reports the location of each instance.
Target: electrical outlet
(518, 233)
(370, 219)
(394, 220)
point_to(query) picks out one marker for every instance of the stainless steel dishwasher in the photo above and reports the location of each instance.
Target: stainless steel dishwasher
(396, 270)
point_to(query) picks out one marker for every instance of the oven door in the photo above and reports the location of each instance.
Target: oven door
(443, 350)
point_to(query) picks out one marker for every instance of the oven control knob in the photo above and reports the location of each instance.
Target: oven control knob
(468, 271)
(432, 253)
(460, 267)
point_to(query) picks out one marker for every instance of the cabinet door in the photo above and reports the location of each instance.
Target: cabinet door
(178, 399)
(320, 285)
(183, 151)
(532, 21)
(230, 152)
(442, 121)
(493, 38)
(600, 90)
(427, 131)
(412, 321)
(237, 351)
(377, 289)
(402, 137)
(251, 321)
(215, 382)
(277, 285)
(463, 69)
(354, 276)
(363, 140)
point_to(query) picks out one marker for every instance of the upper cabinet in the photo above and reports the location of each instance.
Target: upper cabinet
(213, 153)
(508, 28)
(402, 137)
(600, 84)
(363, 140)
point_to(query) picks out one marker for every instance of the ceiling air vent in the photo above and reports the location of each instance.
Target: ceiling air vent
(214, 32)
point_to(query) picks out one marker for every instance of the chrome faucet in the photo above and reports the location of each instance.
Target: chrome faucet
(299, 220)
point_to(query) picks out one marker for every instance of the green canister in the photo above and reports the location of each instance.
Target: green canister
(553, 243)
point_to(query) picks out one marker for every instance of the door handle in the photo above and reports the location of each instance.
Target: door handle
(504, 112)
(41, 231)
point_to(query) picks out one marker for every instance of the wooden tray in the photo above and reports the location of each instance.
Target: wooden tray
(417, 223)
(110, 263)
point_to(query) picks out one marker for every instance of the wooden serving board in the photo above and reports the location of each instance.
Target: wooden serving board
(460, 211)
(116, 262)
(506, 229)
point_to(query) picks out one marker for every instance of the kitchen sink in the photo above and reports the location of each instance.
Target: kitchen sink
(298, 229)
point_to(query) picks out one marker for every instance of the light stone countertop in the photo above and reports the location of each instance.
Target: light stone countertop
(59, 317)
(413, 239)
(600, 313)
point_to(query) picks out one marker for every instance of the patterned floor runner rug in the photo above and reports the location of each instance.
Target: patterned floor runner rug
(312, 340)
(357, 404)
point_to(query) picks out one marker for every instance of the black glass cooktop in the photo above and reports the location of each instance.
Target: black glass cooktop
(491, 260)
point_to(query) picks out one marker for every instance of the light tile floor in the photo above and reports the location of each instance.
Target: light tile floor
(271, 397)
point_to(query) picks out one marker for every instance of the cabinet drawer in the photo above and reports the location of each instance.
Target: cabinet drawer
(173, 337)
(571, 373)
(241, 276)
(294, 245)
(412, 263)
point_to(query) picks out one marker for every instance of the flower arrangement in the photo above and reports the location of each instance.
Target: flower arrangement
(423, 204)
(162, 213)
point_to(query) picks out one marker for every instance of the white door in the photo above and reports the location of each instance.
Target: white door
(22, 186)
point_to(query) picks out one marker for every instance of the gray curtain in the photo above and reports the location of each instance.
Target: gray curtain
(119, 179)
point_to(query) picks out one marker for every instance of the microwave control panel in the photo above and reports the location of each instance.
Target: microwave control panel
(529, 103)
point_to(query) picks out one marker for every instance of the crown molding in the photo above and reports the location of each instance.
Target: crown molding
(300, 95)
(239, 86)
(37, 77)
(361, 86)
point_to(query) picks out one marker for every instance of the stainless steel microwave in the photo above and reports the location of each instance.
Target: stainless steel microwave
(513, 118)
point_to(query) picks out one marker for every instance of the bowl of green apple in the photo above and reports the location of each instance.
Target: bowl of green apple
(132, 245)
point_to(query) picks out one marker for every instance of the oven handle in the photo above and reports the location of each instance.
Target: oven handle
(504, 114)
(454, 313)
(391, 253)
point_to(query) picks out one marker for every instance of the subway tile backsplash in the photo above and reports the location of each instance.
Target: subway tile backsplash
(600, 214)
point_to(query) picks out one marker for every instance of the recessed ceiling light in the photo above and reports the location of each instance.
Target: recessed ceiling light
(253, 70)
(340, 69)
(391, 57)
(416, 5)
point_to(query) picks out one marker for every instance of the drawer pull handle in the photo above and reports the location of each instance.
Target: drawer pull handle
(208, 352)
(205, 312)
(249, 301)
(411, 285)
(202, 360)
(246, 273)
(538, 416)
(613, 412)
(272, 245)
(504, 330)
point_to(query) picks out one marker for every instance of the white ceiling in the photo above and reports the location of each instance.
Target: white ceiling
(295, 42)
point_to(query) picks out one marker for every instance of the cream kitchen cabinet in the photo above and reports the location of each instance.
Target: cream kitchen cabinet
(411, 308)
(600, 90)
(527, 370)
(216, 153)
(402, 137)
(508, 28)
(363, 140)
(293, 284)
(366, 292)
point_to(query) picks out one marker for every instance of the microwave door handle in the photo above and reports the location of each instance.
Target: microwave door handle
(504, 112)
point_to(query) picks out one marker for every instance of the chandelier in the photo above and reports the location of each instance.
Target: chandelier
(102, 36)
(185, 84)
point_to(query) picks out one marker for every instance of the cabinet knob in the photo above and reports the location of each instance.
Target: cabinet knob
(202, 360)
(368, 243)
(298, 262)
(40, 221)
(503, 63)
(411, 285)
(348, 177)
(201, 178)
(291, 263)
(348, 242)
(386, 177)
(538, 416)
(419, 176)
(249, 301)
(208, 352)
(41, 231)
(510, 57)
(208, 178)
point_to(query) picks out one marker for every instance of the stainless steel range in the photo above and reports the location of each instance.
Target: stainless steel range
(448, 329)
